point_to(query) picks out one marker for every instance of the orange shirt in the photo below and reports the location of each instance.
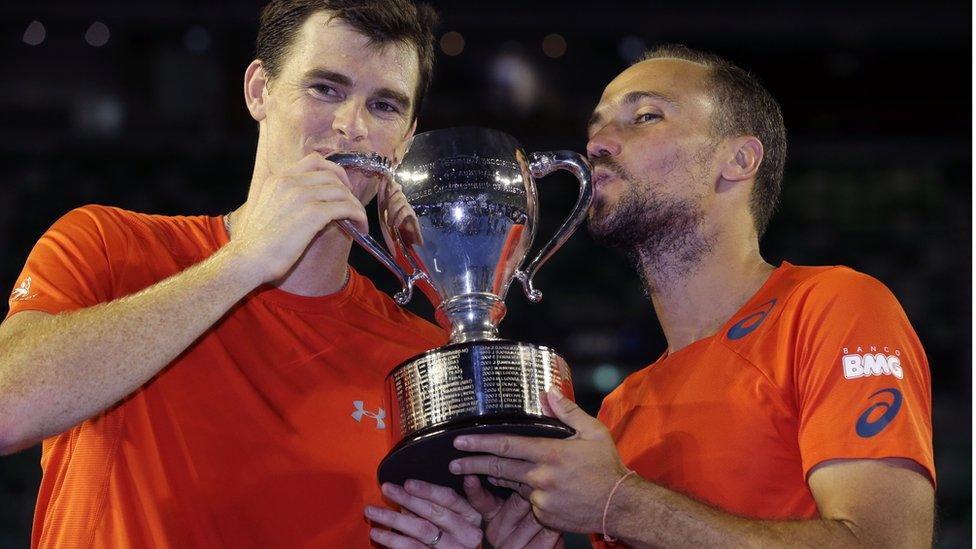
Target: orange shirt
(820, 364)
(266, 432)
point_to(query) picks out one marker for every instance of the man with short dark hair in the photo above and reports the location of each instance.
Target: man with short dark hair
(218, 381)
(793, 404)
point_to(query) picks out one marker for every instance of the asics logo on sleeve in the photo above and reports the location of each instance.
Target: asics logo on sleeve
(22, 292)
(378, 415)
(746, 326)
(867, 428)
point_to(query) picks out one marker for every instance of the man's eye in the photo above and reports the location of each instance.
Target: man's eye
(647, 117)
(324, 89)
(385, 107)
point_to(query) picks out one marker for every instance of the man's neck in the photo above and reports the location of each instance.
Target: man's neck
(692, 303)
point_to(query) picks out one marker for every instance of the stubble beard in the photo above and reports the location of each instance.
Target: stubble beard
(660, 235)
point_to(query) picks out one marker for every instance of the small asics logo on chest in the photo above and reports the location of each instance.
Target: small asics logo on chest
(378, 415)
(745, 326)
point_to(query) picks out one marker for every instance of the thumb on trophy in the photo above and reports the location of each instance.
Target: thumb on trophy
(571, 414)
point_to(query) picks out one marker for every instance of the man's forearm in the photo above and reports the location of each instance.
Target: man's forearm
(646, 515)
(58, 370)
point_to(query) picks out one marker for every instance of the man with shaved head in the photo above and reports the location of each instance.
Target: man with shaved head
(792, 406)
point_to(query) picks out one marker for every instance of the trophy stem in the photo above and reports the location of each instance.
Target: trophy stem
(472, 317)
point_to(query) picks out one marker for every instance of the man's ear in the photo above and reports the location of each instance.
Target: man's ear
(402, 147)
(256, 89)
(747, 154)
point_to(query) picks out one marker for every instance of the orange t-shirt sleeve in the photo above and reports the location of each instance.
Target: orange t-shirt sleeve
(69, 268)
(862, 379)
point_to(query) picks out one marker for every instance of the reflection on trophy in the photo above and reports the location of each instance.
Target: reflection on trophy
(460, 215)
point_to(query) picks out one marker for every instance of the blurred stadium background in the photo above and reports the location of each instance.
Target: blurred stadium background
(140, 105)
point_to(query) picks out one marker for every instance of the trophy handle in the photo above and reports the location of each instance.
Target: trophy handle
(542, 164)
(369, 243)
(374, 164)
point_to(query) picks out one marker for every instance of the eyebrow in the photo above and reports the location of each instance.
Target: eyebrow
(630, 99)
(398, 97)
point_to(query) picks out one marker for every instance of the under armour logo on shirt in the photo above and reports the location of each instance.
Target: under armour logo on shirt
(378, 415)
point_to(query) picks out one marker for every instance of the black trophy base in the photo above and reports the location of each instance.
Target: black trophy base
(427, 456)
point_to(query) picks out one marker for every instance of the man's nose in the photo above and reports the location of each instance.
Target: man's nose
(602, 144)
(350, 122)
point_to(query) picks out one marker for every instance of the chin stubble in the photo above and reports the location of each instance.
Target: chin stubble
(659, 234)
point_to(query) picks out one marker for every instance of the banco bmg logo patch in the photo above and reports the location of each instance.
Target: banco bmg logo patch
(868, 426)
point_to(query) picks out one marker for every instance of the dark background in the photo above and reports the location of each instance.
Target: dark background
(877, 100)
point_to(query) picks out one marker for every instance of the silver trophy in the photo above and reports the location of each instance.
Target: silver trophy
(460, 214)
